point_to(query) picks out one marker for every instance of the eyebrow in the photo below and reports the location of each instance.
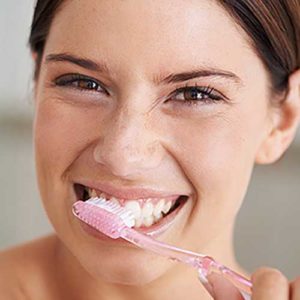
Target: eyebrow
(79, 61)
(171, 78)
(204, 72)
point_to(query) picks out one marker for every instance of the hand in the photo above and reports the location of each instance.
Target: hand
(268, 284)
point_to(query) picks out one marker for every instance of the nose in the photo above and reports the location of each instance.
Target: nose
(127, 146)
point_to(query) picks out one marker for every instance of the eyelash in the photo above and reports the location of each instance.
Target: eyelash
(68, 80)
(208, 94)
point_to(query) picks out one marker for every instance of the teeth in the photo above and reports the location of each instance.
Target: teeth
(148, 221)
(92, 193)
(112, 199)
(167, 207)
(147, 210)
(159, 208)
(138, 222)
(145, 214)
(157, 217)
(102, 195)
(135, 207)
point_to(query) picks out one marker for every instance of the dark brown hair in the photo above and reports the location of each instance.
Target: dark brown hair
(273, 28)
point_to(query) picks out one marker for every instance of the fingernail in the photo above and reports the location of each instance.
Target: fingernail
(206, 283)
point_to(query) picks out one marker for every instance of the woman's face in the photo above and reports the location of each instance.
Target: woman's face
(123, 122)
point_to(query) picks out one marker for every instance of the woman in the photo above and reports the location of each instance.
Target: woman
(154, 100)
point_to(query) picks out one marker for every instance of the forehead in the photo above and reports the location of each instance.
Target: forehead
(149, 36)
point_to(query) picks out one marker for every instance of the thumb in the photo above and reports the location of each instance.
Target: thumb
(223, 289)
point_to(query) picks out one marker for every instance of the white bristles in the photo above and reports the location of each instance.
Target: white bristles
(125, 214)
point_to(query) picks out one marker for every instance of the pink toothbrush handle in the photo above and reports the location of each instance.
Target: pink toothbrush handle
(208, 266)
(204, 264)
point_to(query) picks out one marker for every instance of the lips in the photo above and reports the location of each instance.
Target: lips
(129, 193)
(147, 211)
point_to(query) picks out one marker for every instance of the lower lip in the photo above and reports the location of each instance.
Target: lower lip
(155, 230)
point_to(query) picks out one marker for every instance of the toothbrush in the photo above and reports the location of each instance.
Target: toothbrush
(116, 221)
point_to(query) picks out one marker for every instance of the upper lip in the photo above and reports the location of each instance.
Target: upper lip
(128, 192)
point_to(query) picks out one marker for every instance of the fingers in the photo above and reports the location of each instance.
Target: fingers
(223, 289)
(269, 284)
(295, 289)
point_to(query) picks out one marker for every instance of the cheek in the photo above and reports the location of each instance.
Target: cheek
(218, 157)
(61, 131)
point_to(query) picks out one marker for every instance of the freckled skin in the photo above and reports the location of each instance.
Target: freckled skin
(133, 136)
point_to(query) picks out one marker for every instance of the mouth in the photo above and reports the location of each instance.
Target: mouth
(149, 213)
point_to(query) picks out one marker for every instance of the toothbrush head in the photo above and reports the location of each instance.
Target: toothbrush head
(105, 216)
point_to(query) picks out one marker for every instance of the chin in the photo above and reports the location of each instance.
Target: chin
(137, 269)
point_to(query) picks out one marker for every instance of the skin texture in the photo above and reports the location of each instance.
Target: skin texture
(137, 134)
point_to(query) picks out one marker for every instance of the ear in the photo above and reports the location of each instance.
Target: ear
(34, 56)
(285, 120)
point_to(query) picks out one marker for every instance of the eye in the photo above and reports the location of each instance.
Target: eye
(80, 82)
(194, 94)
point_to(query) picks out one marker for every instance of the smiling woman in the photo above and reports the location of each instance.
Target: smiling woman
(162, 107)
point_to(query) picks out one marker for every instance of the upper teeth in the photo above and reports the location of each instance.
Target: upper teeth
(146, 213)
